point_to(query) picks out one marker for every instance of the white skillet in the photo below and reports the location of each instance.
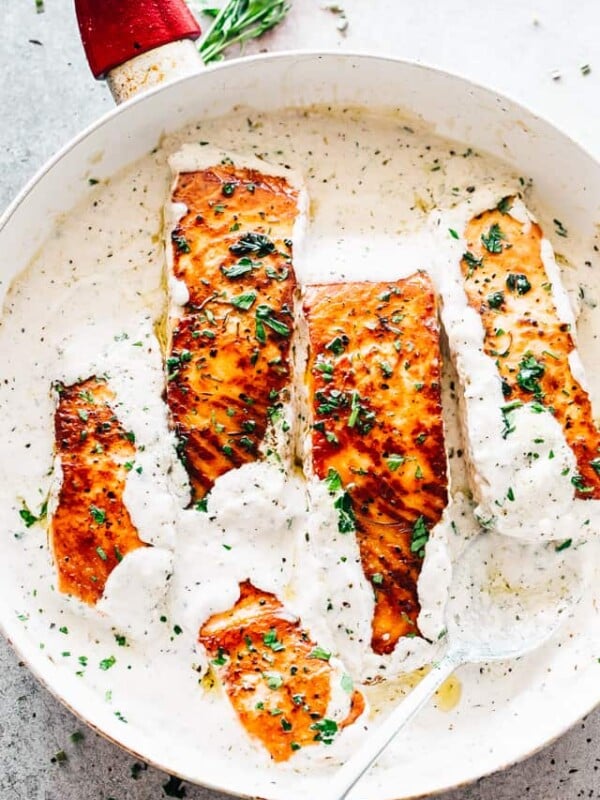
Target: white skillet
(568, 179)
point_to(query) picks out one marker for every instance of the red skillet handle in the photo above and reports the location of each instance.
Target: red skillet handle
(115, 31)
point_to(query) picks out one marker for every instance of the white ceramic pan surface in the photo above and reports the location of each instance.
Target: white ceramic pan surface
(505, 712)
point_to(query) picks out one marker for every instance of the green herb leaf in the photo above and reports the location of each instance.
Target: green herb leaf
(338, 345)
(563, 545)
(274, 680)
(333, 481)
(264, 316)
(394, 461)
(271, 640)
(180, 241)
(243, 267)
(517, 282)
(276, 276)
(251, 243)
(347, 683)
(244, 301)
(420, 537)
(107, 663)
(346, 518)
(505, 205)
(326, 730)
(530, 370)
(98, 515)
(320, 654)
(595, 465)
(495, 299)
(221, 658)
(492, 241)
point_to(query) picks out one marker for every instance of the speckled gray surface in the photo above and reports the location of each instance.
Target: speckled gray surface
(47, 95)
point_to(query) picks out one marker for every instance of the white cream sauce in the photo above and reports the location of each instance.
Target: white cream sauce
(88, 304)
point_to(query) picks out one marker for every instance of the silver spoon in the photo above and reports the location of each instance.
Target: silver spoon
(507, 598)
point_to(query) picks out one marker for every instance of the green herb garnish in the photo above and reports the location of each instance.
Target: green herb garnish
(420, 537)
(517, 282)
(238, 22)
(492, 241)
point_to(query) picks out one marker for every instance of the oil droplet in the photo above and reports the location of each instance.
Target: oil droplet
(381, 694)
(448, 695)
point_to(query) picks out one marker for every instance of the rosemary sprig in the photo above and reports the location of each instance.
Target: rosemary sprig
(238, 22)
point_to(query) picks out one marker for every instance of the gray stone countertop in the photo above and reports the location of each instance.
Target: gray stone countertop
(533, 51)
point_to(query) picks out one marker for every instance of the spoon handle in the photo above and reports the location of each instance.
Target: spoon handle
(353, 770)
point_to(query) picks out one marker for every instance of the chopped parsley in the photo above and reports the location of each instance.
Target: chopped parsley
(107, 663)
(386, 369)
(507, 419)
(377, 578)
(579, 483)
(264, 316)
(30, 519)
(517, 282)
(504, 205)
(276, 276)
(453, 233)
(495, 299)
(530, 370)
(243, 267)
(244, 301)
(471, 261)
(274, 680)
(346, 518)
(98, 515)
(420, 537)
(333, 481)
(563, 545)
(492, 241)
(326, 730)
(560, 228)
(271, 640)
(228, 189)
(338, 345)
(394, 461)
(253, 243)
(595, 465)
(320, 654)
(347, 683)
(180, 241)
(221, 658)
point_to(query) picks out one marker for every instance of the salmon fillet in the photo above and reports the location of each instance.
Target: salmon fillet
(377, 432)
(507, 284)
(91, 530)
(229, 352)
(277, 679)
